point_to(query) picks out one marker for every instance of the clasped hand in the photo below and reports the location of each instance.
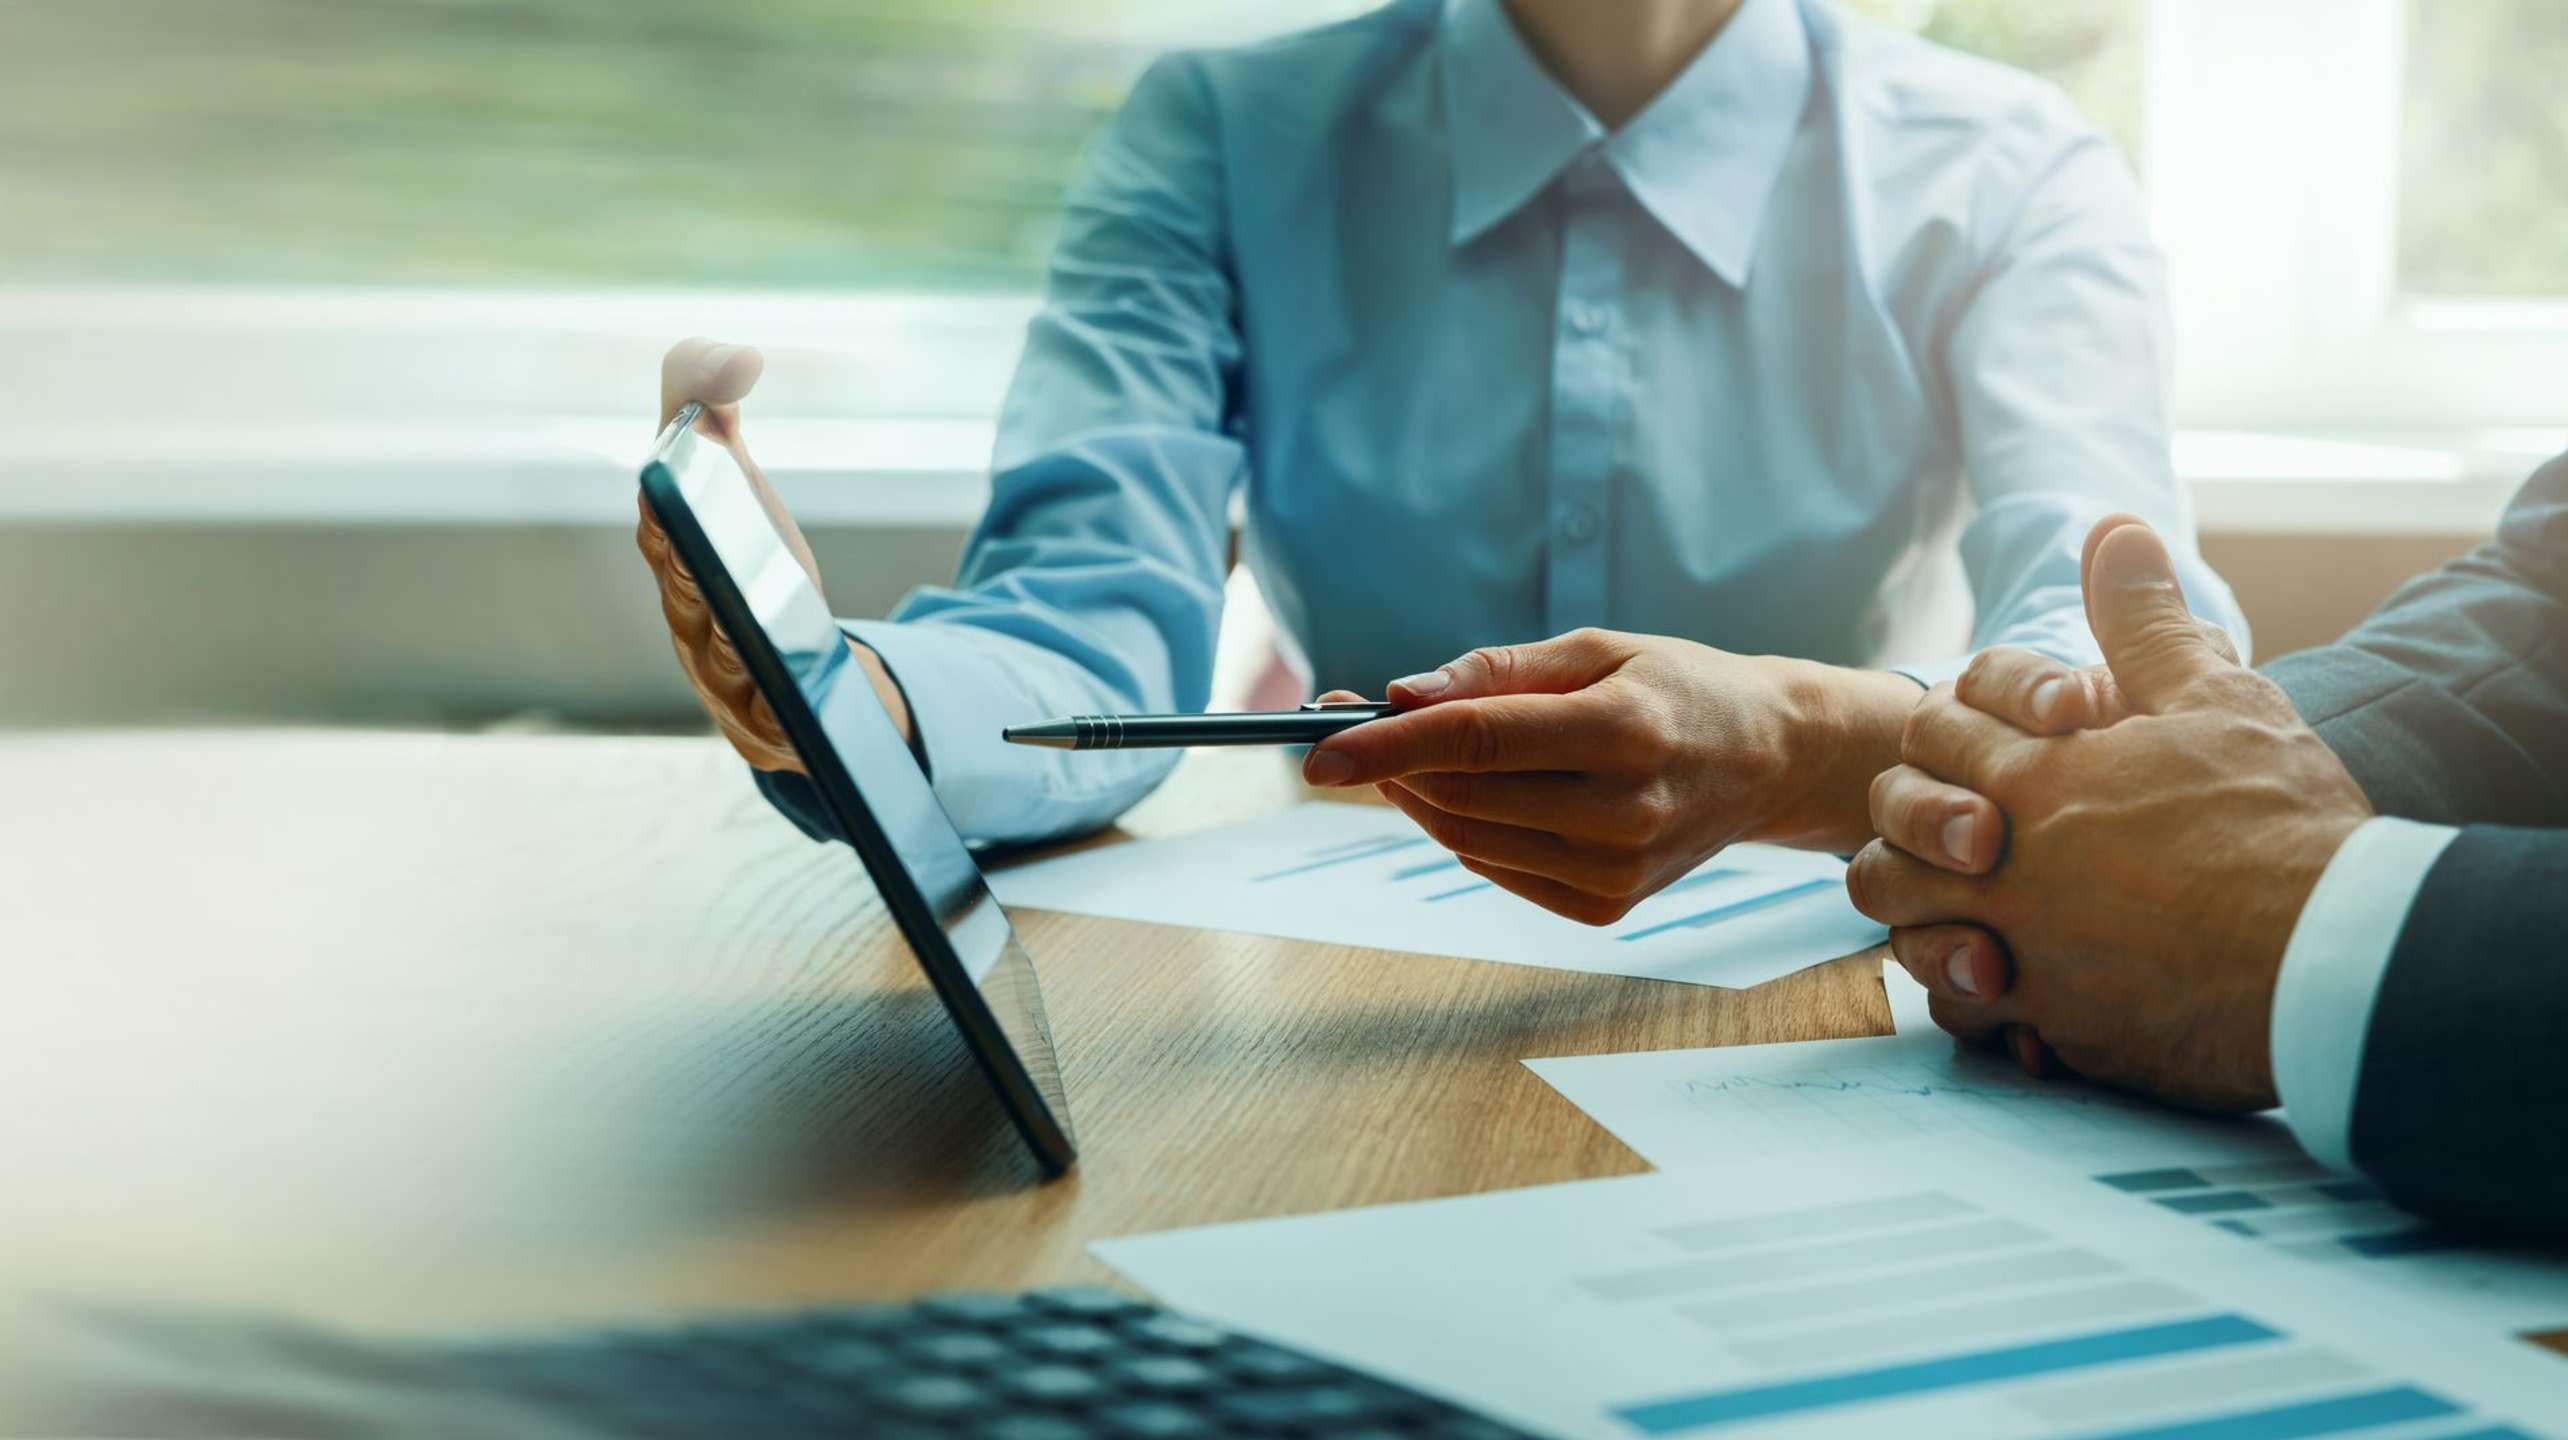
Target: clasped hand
(2141, 838)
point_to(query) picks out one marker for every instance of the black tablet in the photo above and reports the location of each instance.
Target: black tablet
(864, 774)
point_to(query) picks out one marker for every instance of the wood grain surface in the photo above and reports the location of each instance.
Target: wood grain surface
(411, 1031)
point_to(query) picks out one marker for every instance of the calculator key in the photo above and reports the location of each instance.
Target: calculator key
(1169, 1332)
(933, 1396)
(1052, 1385)
(1293, 1409)
(1157, 1420)
(955, 1350)
(1166, 1374)
(1068, 1342)
(1034, 1427)
(1268, 1365)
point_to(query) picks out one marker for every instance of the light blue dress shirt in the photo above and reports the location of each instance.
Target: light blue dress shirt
(1838, 315)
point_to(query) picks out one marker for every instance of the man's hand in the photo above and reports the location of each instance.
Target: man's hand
(1585, 772)
(2144, 877)
(718, 376)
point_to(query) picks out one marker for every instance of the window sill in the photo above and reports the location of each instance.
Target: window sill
(932, 474)
(569, 471)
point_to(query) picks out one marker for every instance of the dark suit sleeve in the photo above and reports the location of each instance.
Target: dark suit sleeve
(2450, 704)
(2462, 1109)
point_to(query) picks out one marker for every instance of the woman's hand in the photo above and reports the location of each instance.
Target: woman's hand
(1586, 772)
(717, 377)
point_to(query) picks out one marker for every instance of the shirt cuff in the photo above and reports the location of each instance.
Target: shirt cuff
(1936, 672)
(2331, 973)
(958, 697)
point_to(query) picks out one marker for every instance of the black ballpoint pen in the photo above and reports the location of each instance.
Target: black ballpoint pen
(1309, 725)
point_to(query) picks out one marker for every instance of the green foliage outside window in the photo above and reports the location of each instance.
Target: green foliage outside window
(2483, 182)
(846, 143)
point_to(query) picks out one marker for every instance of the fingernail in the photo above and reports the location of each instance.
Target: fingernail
(2046, 698)
(1957, 970)
(1327, 767)
(2139, 562)
(1957, 836)
(1430, 683)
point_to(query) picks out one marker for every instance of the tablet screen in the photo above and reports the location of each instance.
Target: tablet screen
(863, 770)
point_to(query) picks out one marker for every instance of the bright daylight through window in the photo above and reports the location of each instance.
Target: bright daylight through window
(2484, 174)
(802, 144)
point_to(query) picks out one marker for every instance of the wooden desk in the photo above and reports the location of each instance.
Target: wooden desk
(407, 1031)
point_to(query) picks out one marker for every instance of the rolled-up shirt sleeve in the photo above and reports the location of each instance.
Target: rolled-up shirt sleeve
(1093, 582)
(2058, 362)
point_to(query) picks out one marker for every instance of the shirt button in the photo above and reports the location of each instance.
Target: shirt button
(1578, 524)
(1586, 319)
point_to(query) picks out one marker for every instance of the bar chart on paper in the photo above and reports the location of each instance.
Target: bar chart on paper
(1986, 1323)
(1734, 1103)
(1651, 1307)
(1363, 875)
(2298, 1208)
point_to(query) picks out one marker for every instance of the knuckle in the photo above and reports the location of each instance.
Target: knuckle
(1622, 878)
(1476, 742)
(1918, 731)
(1878, 796)
(1982, 671)
(2013, 771)
(1496, 664)
(1600, 909)
(1450, 831)
(1589, 640)
(1460, 793)
(1657, 813)
(1859, 878)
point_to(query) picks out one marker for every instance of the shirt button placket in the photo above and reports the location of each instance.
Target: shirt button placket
(1586, 397)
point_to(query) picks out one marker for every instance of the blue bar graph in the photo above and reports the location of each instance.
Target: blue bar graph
(2303, 1420)
(1952, 1372)
(1343, 856)
(2142, 1182)
(2215, 1203)
(1734, 909)
(1412, 872)
(1464, 890)
(2302, 1214)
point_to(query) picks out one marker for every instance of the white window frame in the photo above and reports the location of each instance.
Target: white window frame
(2309, 393)
(2273, 145)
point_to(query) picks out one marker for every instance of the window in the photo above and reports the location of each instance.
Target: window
(2364, 202)
(2094, 49)
(2483, 199)
(807, 144)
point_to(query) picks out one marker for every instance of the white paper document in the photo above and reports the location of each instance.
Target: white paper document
(1909, 1011)
(1918, 1289)
(1743, 1104)
(1364, 875)
(2245, 1180)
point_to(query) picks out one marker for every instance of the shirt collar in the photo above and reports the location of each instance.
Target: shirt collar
(1702, 157)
